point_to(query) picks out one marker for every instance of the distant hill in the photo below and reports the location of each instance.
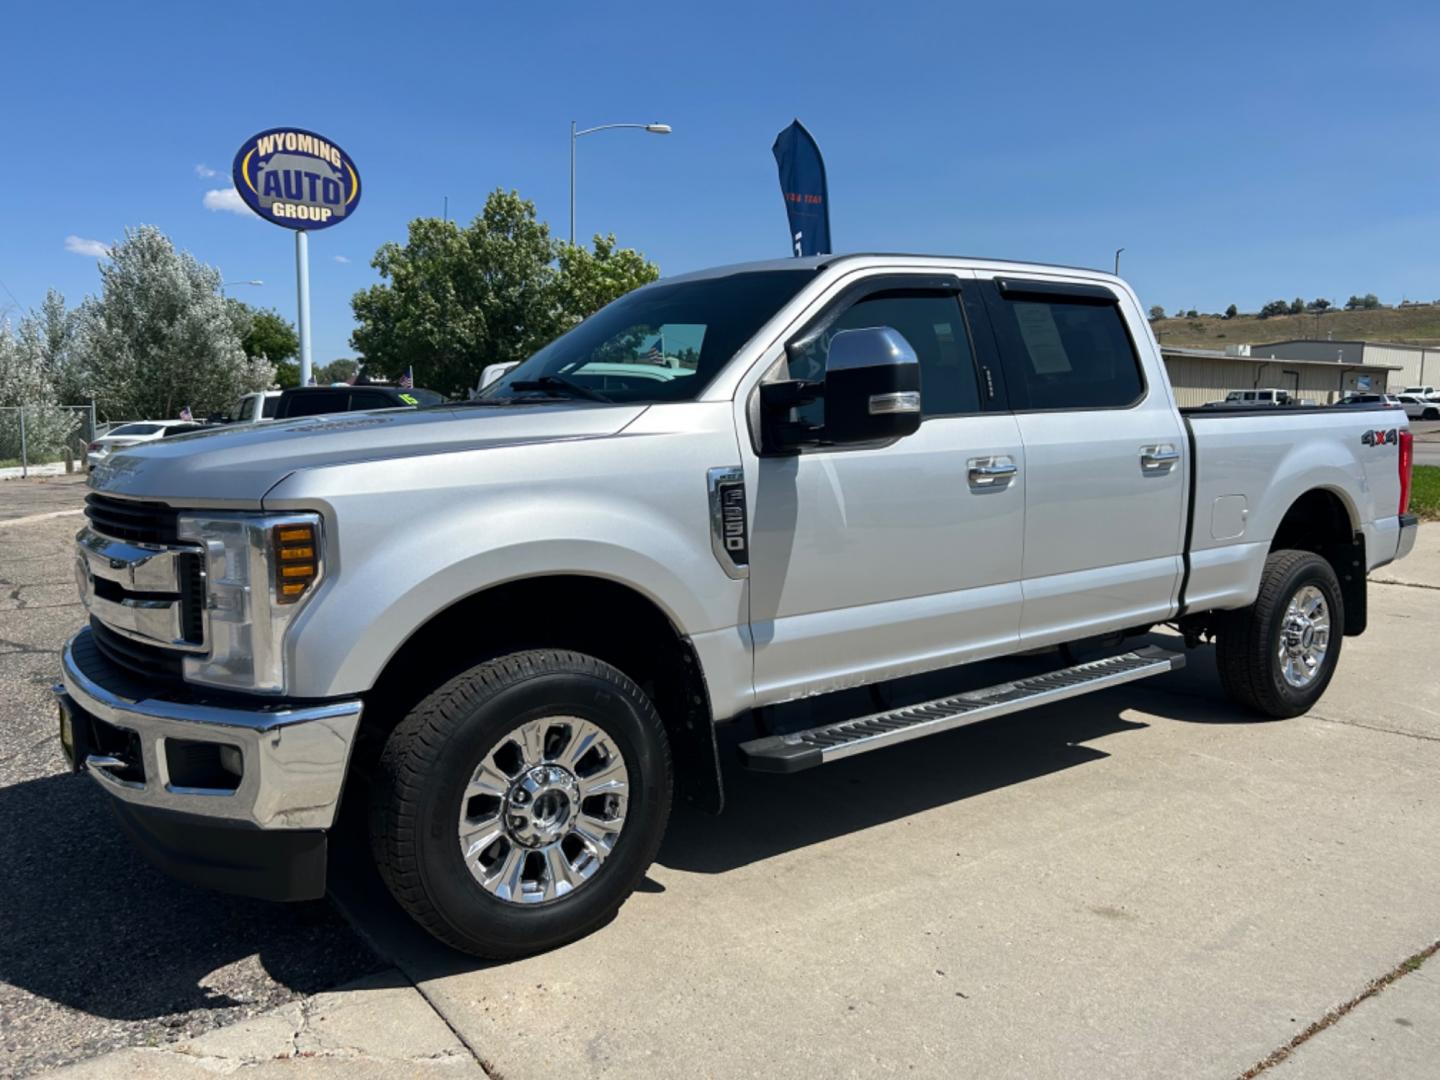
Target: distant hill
(1410, 325)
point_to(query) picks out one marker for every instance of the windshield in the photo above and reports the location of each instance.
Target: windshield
(659, 343)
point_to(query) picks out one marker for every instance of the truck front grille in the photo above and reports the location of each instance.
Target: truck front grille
(136, 522)
(149, 661)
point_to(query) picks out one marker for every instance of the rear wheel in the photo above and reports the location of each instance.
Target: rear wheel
(1431, 414)
(1277, 656)
(518, 806)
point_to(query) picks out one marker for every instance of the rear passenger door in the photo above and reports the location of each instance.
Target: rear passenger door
(1104, 448)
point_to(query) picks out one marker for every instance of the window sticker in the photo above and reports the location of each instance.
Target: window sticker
(1042, 339)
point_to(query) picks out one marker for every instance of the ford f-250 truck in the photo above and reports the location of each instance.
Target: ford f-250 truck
(512, 626)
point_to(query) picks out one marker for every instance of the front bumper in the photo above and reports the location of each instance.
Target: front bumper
(155, 752)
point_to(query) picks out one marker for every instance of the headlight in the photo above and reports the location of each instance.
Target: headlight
(259, 572)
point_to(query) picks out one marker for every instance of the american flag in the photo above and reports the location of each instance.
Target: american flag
(186, 415)
(654, 355)
(407, 381)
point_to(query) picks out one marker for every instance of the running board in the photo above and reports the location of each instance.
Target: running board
(815, 746)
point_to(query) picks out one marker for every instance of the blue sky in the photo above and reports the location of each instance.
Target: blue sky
(1239, 152)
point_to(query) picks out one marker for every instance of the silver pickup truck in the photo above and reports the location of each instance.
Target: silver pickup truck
(509, 629)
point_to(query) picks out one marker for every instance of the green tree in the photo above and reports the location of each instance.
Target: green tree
(1297, 306)
(457, 298)
(266, 335)
(1231, 311)
(1368, 302)
(1319, 304)
(160, 336)
(1156, 312)
(586, 280)
(336, 371)
(1273, 308)
(34, 360)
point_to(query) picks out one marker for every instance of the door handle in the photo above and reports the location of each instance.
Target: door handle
(1157, 459)
(991, 472)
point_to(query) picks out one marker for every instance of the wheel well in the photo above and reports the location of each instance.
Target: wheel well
(604, 619)
(1319, 521)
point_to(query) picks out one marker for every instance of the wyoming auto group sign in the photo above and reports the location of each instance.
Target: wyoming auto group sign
(297, 179)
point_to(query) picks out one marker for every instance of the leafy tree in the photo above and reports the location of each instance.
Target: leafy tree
(459, 297)
(336, 371)
(1156, 312)
(1368, 302)
(33, 360)
(160, 337)
(588, 280)
(1231, 311)
(1192, 314)
(268, 336)
(1297, 306)
(1320, 304)
(1273, 308)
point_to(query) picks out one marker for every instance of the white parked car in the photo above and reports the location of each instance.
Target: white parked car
(1428, 392)
(253, 408)
(1257, 397)
(132, 435)
(1418, 407)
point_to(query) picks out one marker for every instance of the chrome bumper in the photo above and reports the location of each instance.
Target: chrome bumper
(293, 758)
(1409, 529)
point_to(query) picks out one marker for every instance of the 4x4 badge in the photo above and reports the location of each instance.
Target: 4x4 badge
(1380, 438)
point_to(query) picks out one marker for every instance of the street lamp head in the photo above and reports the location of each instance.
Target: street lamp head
(658, 129)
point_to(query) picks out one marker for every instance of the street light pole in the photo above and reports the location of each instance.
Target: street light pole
(253, 281)
(1117, 261)
(653, 129)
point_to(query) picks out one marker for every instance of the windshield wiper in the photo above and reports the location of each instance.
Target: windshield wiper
(552, 383)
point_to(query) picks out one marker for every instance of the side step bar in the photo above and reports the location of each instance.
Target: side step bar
(831, 742)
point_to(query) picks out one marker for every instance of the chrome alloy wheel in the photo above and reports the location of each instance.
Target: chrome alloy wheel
(1304, 637)
(543, 810)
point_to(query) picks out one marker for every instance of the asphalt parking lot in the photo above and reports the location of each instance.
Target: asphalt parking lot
(1137, 883)
(97, 949)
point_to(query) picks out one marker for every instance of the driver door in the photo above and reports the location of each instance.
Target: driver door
(869, 562)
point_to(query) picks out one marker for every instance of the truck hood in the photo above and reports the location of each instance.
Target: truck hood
(239, 464)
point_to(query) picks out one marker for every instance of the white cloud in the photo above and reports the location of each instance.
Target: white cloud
(204, 171)
(93, 249)
(340, 259)
(225, 199)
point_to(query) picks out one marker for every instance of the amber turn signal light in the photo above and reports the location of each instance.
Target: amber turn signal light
(296, 564)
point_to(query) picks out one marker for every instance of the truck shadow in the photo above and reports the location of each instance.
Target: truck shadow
(766, 815)
(87, 923)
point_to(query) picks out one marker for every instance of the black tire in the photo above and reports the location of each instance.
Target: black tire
(430, 757)
(1248, 641)
(1430, 414)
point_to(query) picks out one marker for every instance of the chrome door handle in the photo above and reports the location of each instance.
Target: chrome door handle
(1161, 458)
(991, 472)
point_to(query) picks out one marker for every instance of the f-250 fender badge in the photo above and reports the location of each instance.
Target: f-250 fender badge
(1381, 438)
(729, 525)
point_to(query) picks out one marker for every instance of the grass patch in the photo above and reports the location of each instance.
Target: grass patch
(1425, 492)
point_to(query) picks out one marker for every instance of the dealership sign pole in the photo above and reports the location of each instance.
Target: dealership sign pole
(301, 181)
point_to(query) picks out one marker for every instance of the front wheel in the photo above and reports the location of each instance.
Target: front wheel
(1431, 414)
(1277, 656)
(519, 805)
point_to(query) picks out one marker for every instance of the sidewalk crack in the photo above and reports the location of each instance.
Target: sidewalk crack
(1399, 971)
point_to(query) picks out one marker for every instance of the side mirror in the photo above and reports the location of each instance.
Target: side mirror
(872, 386)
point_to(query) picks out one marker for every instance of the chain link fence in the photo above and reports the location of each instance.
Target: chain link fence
(40, 437)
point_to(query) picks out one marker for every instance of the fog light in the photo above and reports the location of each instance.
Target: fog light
(232, 761)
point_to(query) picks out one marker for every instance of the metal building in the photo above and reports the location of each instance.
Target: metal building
(1415, 364)
(1201, 375)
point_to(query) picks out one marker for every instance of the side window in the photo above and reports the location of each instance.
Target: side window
(369, 399)
(1067, 354)
(933, 324)
(314, 404)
